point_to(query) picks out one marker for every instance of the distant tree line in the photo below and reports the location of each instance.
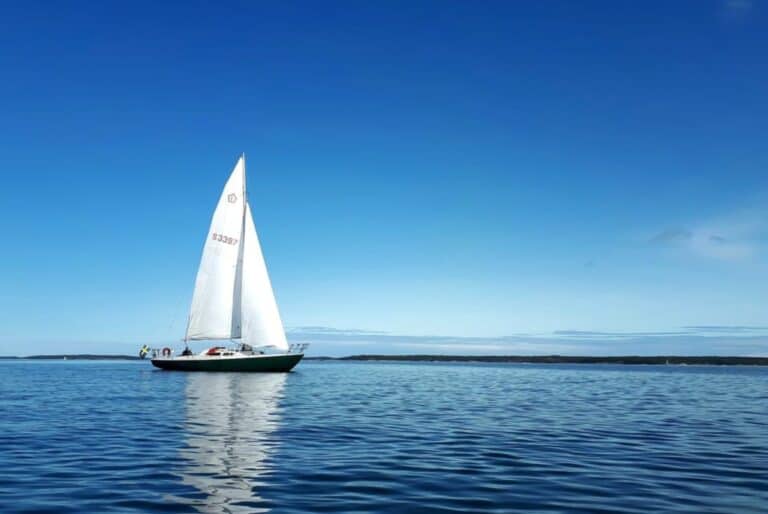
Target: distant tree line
(567, 359)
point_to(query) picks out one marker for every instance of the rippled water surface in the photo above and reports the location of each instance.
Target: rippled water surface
(383, 437)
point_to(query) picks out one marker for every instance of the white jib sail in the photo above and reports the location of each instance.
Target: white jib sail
(215, 312)
(261, 320)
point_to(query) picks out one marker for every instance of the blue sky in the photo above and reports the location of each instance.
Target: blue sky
(445, 177)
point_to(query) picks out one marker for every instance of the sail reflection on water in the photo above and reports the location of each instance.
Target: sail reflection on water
(230, 425)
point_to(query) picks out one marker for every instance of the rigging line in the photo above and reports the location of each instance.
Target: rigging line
(175, 316)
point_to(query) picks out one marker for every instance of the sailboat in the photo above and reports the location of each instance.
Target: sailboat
(233, 299)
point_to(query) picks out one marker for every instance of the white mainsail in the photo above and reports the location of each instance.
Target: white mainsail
(233, 296)
(211, 315)
(261, 319)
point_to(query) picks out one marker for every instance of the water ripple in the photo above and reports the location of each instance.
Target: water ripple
(377, 437)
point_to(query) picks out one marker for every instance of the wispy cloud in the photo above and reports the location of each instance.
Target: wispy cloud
(692, 340)
(738, 7)
(330, 330)
(736, 340)
(728, 328)
(737, 237)
(672, 235)
(613, 335)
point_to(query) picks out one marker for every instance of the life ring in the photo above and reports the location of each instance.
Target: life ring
(166, 352)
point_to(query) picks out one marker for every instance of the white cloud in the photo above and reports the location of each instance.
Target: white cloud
(736, 237)
(738, 6)
(736, 10)
(693, 340)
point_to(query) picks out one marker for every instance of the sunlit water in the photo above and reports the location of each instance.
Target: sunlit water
(383, 437)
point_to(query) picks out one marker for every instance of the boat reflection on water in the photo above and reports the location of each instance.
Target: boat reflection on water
(230, 422)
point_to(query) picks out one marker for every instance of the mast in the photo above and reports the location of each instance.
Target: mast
(237, 290)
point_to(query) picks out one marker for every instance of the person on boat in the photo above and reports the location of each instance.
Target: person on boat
(187, 352)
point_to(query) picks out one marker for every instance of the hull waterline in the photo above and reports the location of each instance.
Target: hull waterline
(260, 363)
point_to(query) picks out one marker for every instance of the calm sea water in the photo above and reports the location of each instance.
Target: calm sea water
(383, 437)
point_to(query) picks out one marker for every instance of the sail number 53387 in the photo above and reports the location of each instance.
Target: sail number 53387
(224, 239)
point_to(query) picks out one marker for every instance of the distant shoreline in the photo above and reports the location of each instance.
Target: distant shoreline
(521, 359)
(563, 359)
(73, 357)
